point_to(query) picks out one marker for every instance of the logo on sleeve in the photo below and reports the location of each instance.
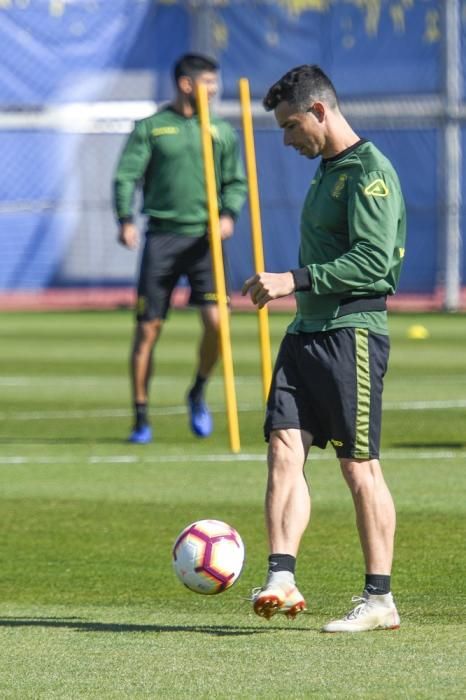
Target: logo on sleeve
(378, 188)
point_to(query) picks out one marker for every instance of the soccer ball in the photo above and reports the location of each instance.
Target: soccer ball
(208, 556)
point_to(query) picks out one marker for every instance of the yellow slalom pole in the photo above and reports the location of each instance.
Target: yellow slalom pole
(256, 229)
(218, 268)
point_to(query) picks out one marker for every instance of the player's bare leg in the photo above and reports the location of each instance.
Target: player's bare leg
(375, 512)
(209, 347)
(288, 502)
(376, 521)
(288, 510)
(146, 336)
(200, 417)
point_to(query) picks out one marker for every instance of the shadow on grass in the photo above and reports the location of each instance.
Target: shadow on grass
(79, 625)
(31, 440)
(88, 440)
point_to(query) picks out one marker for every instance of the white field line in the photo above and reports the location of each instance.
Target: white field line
(162, 380)
(423, 405)
(179, 410)
(218, 458)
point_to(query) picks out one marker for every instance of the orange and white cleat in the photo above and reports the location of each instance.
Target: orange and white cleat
(278, 596)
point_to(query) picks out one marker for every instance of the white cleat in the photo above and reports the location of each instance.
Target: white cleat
(372, 612)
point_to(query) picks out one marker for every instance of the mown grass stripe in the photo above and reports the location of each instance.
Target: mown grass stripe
(413, 455)
(181, 409)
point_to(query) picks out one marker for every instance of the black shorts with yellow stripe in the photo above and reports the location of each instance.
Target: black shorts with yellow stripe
(330, 384)
(167, 257)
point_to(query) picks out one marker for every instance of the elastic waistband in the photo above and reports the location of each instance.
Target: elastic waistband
(352, 305)
(167, 226)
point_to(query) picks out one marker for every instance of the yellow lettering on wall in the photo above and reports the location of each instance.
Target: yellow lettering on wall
(397, 14)
(372, 14)
(220, 34)
(373, 9)
(56, 7)
(368, 12)
(432, 30)
(296, 7)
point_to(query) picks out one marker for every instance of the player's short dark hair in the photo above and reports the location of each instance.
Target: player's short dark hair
(191, 64)
(300, 87)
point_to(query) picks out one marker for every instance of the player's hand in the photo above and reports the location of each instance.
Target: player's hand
(227, 226)
(266, 286)
(128, 235)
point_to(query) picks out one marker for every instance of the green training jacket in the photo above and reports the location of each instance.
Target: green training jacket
(164, 155)
(353, 230)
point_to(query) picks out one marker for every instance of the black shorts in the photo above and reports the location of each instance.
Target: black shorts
(331, 384)
(165, 258)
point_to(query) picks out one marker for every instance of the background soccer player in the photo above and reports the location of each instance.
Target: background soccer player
(328, 376)
(164, 153)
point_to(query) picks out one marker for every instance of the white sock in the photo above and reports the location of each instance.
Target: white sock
(280, 577)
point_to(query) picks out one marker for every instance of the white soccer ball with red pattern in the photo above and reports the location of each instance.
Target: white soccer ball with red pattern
(208, 556)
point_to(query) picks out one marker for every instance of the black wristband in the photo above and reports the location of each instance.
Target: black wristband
(126, 219)
(302, 279)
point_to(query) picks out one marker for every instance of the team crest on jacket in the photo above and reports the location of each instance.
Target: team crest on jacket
(339, 186)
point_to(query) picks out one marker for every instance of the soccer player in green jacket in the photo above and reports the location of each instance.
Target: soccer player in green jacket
(164, 155)
(328, 376)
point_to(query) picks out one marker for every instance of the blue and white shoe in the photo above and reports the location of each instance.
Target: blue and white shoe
(141, 436)
(200, 418)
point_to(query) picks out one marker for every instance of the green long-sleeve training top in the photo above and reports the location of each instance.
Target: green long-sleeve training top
(164, 155)
(353, 230)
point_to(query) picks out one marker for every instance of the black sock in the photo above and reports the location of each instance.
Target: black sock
(140, 414)
(281, 562)
(377, 584)
(197, 390)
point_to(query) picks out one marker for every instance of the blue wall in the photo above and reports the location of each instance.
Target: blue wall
(86, 52)
(369, 49)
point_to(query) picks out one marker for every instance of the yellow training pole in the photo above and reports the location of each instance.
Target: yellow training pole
(217, 265)
(256, 228)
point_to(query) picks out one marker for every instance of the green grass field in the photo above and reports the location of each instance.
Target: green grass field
(89, 605)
